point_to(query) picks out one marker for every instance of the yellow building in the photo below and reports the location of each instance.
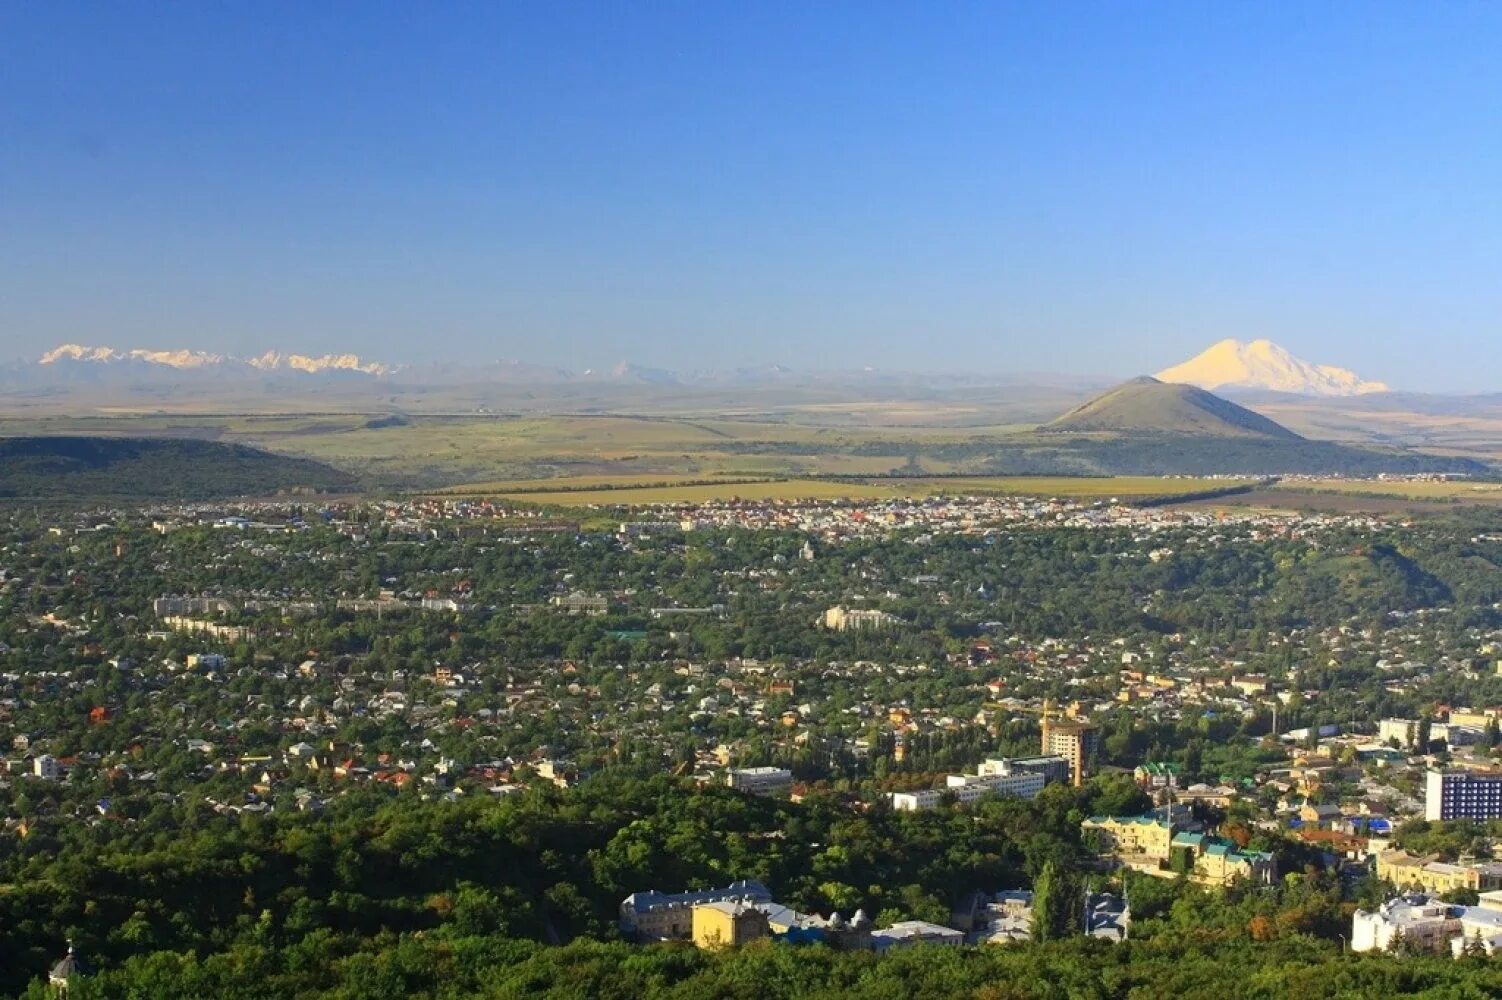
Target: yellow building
(1135, 836)
(1410, 871)
(728, 925)
(1222, 864)
(851, 620)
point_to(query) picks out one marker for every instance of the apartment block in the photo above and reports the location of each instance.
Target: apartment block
(1460, 794)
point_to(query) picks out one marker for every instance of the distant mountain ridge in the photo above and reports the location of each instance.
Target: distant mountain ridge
(1261, 364)
(1147, 405)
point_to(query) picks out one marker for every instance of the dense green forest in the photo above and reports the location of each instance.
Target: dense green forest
(153, 468)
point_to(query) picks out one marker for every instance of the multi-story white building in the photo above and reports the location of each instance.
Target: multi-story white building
(1459, 794)
(47, 767)
(1053, 768)
(774, 781)
(970, 787)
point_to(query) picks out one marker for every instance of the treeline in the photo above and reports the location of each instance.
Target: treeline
(1193, 966)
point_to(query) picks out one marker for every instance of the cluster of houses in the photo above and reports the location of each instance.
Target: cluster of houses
(753, 719)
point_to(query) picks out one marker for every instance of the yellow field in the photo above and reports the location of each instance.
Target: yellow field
(782, 489)
(1454, 490)
(1070, 486)
(595, 484)
(574, 491)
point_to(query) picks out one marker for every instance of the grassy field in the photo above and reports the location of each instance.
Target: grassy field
(1362, 496)
(501, 455)
(435, 451)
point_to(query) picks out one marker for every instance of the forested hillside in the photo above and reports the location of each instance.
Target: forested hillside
(152, 468)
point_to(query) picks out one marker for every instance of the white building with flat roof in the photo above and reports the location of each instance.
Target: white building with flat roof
(1421, 921)
(1427, 923)
(912, 932)
(967, 788)
(760, 780)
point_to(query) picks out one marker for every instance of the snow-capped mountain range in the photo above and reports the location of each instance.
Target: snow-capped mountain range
(94, 365)
(1263, 365)
(186, 360)
(1229, 365)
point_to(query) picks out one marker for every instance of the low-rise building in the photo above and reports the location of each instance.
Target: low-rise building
(1004, 918)
(658, 916)
(1421, 922)
(1133, 836)
(851, 620)
(770, 781)
(1428, 874)
(1220, 862)
(1154, 776)
(727, 924)
(907, 933)
(1156, 846)
(1107, 916)
(580, 603)
(1402, 732)
(1417, 920)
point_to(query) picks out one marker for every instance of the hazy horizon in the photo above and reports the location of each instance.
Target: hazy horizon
(1090, 190)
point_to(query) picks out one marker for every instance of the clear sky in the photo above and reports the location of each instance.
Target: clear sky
(941, 186)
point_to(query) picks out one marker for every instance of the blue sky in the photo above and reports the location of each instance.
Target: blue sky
(973, 186)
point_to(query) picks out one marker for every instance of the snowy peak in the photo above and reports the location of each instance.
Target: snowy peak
(77, 352)
(185, 360)
(108, 355)
(1261, 364)
(276, 361)
(178, 359)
